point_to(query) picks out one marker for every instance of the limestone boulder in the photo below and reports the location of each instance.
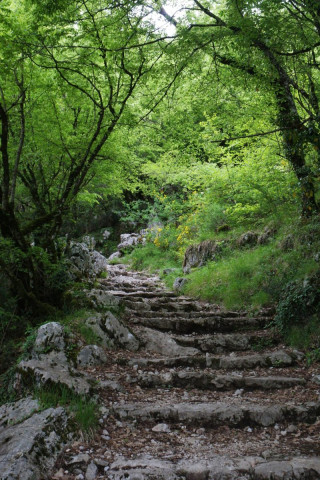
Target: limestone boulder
(91, 355)
(99, 298)
(120, 333)
(159, 342)
(113, 332)
(90, 241)
(97, 326)
(29, 448)
(248, 239)
(12, 413)
(49, 364)
(52, 369)
(106, 234)
(265, 236)
(85, 262)
(50, 336)
(287, 243)
(179, 283)
(115, 255)
(198, 255)
(129, 240)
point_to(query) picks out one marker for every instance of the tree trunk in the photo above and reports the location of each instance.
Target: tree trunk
(294, 144)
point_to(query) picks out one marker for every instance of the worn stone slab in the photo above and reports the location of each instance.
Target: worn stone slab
(279, 358)
(167, 322)
(295, 469)
(210, 381)
(218, 468)
(276, 359)
(219, 413)
(219, 342)
(159, 342)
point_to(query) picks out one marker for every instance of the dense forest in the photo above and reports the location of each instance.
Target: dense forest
(197, 119)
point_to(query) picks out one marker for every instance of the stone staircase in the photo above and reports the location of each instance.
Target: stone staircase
(197, 401)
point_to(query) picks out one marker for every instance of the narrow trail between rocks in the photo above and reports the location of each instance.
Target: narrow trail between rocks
(197, 401)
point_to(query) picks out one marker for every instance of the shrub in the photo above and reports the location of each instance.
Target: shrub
(300, 300)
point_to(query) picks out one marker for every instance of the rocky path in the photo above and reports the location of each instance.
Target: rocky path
(209, 395)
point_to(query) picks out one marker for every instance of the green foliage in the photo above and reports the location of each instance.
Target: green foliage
(11, 327)
(75, 323)
(28, 344)
(151, 258)
(76, 296)
(235, 281)
(86, 333)
(299, 301)
(306, 337)
(263, 343)
(7, 392)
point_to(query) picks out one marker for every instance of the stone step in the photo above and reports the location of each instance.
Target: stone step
(277, 359)
(221, 342)
(174, 305)
(124, 272)
(219, 413)
(209, 381)
(111, 288)
(138, 295)
(201, 325)
(217, 468)
(211, 313)
(133, 284)
(177, 305)
(158, 300)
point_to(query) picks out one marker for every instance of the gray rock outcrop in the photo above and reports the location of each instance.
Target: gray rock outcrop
(91, 355)
(247, 239)
(265, 236)
(158, 342)
(85, 262)
(50, 336)
(90, 241)
(112, 332)
(115, 255)
(198, 255)
(179, 283)
(48, 363)
(12, 413)
(99, 298)
(29, 448)
(287, 243)
(52, 369)
(120, 333)
(129, 240)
